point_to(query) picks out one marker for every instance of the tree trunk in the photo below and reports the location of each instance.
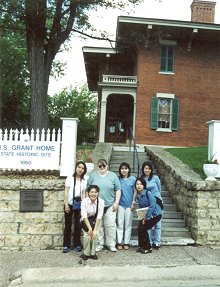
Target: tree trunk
(39, 87)
(39, 74)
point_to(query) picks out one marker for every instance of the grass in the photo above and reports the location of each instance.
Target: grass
(194, 157)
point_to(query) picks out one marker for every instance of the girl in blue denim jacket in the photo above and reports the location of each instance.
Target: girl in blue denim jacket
(154, 186)
(153, 215)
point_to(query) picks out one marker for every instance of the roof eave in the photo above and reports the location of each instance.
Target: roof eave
(165, 22)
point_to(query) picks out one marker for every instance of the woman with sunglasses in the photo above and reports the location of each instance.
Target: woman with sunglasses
(75, 187)
(125, 209)
(110, 192)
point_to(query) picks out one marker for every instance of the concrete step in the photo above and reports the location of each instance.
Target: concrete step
(167, 241)
(167, 200)
(173, 230)
(167, 231)
(166, 222)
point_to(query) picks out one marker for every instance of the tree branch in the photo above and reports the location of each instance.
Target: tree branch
(95, 37)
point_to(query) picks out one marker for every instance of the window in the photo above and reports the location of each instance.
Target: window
(164, 112)
(164, 115)
(166, 58)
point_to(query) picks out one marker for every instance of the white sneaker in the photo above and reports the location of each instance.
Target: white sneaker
(112, 249)
(98, 248)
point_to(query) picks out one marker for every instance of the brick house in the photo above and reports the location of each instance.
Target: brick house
(162, 79)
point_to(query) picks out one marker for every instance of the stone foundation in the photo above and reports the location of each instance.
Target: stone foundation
(31, 230)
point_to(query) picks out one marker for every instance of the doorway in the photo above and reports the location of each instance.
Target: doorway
(119, 118)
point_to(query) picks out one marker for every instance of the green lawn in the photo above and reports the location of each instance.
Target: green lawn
(194, 157)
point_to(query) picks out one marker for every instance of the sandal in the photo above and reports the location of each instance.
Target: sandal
(145, 251)
(126, 247)
(119, 247)
(84, 257)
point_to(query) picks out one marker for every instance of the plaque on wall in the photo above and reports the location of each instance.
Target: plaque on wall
(31, 200)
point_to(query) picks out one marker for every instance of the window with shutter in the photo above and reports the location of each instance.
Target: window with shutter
(167, 58)
(164, 114)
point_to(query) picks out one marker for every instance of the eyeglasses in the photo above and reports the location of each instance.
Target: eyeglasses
(101, 165)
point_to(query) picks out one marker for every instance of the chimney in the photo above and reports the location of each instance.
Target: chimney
(203, 11)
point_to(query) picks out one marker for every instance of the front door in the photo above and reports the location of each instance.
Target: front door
(119, 118)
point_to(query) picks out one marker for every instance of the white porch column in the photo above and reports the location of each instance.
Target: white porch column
(134, 116)
(214, 141)
(102, 121)
(68, 147)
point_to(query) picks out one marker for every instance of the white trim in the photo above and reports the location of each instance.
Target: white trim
(168, 42)
(166, 73)
(164, 130)
(168, 23)
(165, 95)
(101, 50)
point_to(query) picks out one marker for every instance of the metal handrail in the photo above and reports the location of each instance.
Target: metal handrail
(135, 152)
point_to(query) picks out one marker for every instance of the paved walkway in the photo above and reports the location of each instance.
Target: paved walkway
(168, 262)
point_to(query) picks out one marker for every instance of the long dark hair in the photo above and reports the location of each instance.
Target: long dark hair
(85, 169)
(147, 163)
(124, 164)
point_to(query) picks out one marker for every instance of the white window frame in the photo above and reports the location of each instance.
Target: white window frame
(166, 96)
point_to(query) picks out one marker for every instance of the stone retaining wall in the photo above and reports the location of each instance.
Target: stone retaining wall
(31, 230)
(197, 199)
(36, 230)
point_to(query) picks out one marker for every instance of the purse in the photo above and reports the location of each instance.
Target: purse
(159, 202)
(76, 199)
(91, 219)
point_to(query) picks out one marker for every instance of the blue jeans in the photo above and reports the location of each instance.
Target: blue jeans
(155, 234)
(143, 237)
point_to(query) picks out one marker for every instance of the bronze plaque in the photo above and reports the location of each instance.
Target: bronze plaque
(31, 200)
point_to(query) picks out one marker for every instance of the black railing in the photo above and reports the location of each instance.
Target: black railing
(135, 152)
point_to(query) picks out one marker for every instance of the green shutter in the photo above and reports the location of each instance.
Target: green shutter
(153, 113)
(175, 115)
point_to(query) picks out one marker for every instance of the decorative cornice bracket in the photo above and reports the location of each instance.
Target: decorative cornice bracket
(192, 35)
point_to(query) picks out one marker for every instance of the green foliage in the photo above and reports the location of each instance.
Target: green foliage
(47, 26)
(15, 84)
(75, 103)
(194, 157)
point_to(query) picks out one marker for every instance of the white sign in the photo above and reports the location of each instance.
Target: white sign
(29, 155)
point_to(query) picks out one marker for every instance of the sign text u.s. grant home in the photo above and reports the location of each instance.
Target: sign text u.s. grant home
(29, 155)
(40, 150)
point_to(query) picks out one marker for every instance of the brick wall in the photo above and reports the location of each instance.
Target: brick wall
(203, 11)
(195, 83)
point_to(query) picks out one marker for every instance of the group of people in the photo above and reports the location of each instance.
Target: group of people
(111, 199)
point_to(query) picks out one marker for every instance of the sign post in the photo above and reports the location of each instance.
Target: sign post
(68, 149)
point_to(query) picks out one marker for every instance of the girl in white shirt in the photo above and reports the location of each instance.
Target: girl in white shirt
(75, 187)
(92, 207)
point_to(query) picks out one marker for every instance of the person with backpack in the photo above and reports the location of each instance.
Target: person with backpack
(153, 215)
(154, 186)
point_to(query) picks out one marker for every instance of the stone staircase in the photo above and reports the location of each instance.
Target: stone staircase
(174, 231)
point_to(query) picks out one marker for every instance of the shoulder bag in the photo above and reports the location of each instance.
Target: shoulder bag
(91, 219)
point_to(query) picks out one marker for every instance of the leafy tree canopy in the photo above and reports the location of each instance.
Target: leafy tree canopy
(47, 25)
(79, 103)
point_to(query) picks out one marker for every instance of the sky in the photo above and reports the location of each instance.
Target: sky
(107, 20)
